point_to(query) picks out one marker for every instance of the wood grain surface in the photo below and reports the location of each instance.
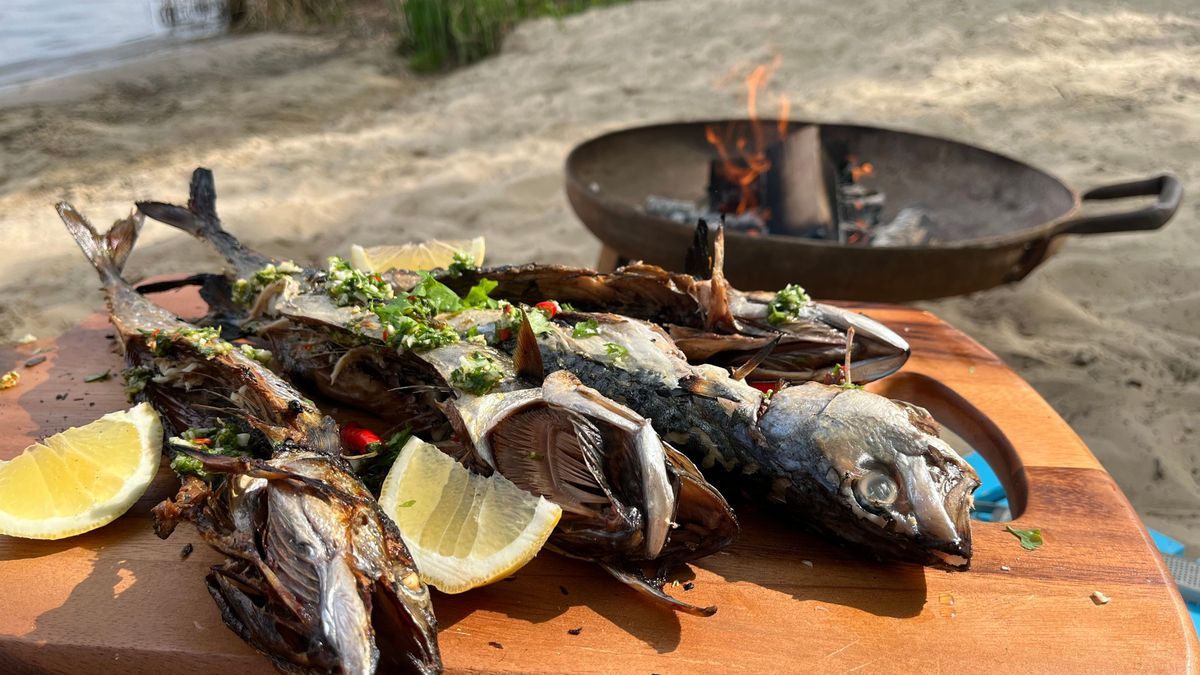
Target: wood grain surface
(119, 600)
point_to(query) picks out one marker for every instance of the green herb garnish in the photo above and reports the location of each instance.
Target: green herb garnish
(585, 329)
(206, 340)
(246, 290)
(477, 297)
(461, 263)
(263, 356)
(373, 468)
(348, 286)
(406, 503)
(225, 439)
(435, 295)
(476, 373)
(98, 377)
(787, 304)
(136, 379)
(615, 350)
(1031, 539)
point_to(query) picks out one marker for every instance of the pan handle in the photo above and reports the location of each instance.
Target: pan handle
(1166, 187)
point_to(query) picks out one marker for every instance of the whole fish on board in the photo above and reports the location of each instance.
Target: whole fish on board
(630, 501)
(860, 468)
(316, 577)
(709, 320)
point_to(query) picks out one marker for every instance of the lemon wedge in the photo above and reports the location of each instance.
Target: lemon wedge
(463, 530)
(416, 257)
(81, 478)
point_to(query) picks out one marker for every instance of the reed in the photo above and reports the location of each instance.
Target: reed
(448, 33)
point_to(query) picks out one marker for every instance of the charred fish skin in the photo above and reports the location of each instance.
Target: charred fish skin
(858, 467)
(316, 577)
(620, 486)
(711, 321)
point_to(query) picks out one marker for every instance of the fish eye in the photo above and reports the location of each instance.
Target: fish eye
(876, 490)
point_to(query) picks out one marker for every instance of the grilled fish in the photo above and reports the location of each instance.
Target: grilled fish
(710, 321)
(629, 500)
(859, 467)
(316, 577)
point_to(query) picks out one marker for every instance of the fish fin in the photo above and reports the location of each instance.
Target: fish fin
(755, 361)
(199, 219)
(637, 580)
(527, 357)
(694, 384)
(109, 251)
(698, 261)
(718, 312)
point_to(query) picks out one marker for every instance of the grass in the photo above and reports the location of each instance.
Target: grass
(448, 33)
(435, 34)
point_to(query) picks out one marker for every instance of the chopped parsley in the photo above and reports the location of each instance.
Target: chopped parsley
(246, 290)
(263, 356)
(476, 373)
(615, 350)
(1030, 539)
(539, 320)
(786, 305)
(136, 379)
(477, 297)
(348, 286)
(586, 329)
(434, 295)
(224, 439)
(205, 340)
(461, 263)
(405, 326)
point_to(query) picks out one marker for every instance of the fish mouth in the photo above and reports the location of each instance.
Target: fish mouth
(405, 630)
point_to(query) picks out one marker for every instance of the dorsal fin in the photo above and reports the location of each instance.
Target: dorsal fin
(527, 357)
(755, 361)
(698, 261)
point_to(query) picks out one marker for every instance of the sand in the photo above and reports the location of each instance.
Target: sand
(317, 145)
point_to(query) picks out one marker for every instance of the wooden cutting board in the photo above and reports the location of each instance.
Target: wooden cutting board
(120, 600)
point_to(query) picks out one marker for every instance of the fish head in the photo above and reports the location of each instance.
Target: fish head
(598, 460)
(888, 482)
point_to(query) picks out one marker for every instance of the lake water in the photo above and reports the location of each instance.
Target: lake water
(49, 38)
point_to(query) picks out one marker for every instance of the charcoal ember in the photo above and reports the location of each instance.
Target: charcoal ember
(910, 227)
(749, 221)
(679, 210)
(859, 204)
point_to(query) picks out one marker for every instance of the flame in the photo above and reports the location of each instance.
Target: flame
(744, 166)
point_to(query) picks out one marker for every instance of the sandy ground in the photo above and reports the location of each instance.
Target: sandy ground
(315, 147)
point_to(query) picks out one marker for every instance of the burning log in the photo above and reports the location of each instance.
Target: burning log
(800, 188)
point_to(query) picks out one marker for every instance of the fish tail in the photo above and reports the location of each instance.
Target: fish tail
(109, 251)
(199, 219)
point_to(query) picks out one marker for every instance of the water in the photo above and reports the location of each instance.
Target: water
(50, 38)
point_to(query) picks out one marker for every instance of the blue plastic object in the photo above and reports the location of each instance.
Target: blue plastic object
(1166, 545)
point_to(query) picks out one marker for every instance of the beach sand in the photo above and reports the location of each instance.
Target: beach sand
(317, 145)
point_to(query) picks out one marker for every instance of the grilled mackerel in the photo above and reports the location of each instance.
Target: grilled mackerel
(859, 467)
(316, 577)
(710, 321)
(629, 501)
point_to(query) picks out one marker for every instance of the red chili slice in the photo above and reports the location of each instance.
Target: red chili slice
(549, 307)
(357, 440)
